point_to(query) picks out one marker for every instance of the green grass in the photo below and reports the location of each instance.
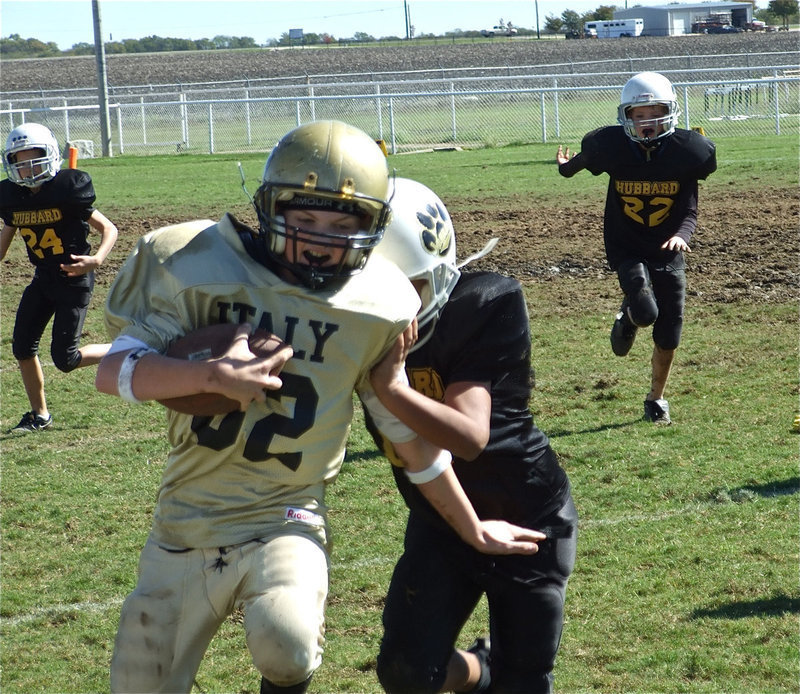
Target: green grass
(686, 578)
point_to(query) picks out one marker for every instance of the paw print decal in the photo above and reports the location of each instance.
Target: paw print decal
(437, 232)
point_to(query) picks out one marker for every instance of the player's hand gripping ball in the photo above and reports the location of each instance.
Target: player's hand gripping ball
(212, 342)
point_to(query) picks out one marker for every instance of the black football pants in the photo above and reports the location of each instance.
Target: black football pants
(437, 584)
(66, 302)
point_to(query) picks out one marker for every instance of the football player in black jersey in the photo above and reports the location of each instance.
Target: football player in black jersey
(650, 216)
(470, 377)
(53, 211)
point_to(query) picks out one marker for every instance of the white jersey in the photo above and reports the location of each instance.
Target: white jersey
(230, 476)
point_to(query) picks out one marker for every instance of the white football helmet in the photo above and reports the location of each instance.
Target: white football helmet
(421, 241)
(31, 136)
(325, 165)
(644, 89)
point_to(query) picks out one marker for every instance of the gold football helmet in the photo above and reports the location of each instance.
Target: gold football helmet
(325, 165)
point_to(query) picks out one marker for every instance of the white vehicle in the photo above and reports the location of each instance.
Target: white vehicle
(500, 30)
(613, 28)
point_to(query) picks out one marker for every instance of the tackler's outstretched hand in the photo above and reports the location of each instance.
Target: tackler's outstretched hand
(501, 537)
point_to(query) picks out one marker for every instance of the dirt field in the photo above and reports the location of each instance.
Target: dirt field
(745, 248)
(744, 252)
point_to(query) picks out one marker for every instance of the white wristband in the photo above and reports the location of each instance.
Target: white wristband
(125, 377)
(436, 468)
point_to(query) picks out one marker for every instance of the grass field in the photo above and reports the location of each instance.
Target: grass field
(687, 571)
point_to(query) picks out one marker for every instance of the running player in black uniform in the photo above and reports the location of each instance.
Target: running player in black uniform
(650, 216)
(470, 377)
(53, 211)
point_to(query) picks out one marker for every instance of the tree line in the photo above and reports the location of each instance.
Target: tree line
(781, 12)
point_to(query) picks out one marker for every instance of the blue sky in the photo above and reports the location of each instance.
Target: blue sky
(67, 22)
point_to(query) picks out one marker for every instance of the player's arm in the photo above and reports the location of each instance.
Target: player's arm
(460, 424)
(568, 165)
(108, 235)
(444, 492)
(140, 374)
(6, 237)
(429, 467)
(81, 264)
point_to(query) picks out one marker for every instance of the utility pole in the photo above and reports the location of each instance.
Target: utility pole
(407, 14)
(536, 3)
(102, 81)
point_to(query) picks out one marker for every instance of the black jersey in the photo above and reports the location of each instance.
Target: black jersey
(483, 334)
(52, 220)
(652, 195)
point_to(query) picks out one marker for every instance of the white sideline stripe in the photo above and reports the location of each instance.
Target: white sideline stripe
(58, 610)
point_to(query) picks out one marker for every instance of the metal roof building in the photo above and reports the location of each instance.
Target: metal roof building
(674, 20)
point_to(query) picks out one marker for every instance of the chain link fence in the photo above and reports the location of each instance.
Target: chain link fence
(752, 94)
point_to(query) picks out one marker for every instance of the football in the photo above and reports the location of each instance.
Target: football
(208, 343)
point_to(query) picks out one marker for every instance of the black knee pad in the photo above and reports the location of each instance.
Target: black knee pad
(66, 362)
(634, 279)
(667, 334)
(22, 355)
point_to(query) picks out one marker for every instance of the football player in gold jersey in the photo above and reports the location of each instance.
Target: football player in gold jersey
(241, 520)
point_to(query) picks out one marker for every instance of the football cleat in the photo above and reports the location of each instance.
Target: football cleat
(482, 647)
(32, 422)
(623, 332)
(657, 411)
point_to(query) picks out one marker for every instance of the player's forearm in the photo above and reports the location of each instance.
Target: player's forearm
(436, 422)
(447, 496)
(444, 492)
(569, 168)
(6, 237)
(108, 235)
(157, 377)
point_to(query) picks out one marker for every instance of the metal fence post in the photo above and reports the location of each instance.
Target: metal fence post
(775, 95)
(453, 130)
(144, 120)
(66, 120)
(391, 125)
(555, 108)
(210, 129)
(247, 117)
(544, 116)
(378, 110)
(184, 120)
(686, 107)
(118, 109)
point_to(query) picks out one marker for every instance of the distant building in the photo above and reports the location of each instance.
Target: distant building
(678, 19)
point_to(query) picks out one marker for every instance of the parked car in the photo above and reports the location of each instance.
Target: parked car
(725, 29)
(500, 30)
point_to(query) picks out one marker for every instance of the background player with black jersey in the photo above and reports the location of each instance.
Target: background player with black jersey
(470, 378)
(650, 216)
(241, 519)
(53, 211)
